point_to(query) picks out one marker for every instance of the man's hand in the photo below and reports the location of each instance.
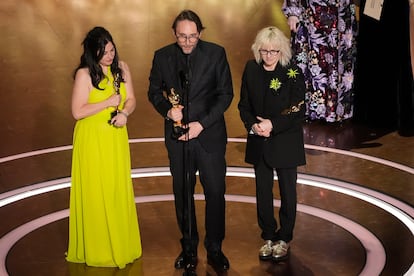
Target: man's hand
(194, 129)
(176, 113)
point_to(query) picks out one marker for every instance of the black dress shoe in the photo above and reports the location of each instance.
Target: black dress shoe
(218, 261)
(185, 261)
(179, 262)
(190, 270)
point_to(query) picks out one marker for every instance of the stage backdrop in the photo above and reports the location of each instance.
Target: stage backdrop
(384, 76)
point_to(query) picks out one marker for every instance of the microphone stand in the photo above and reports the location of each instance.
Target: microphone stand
(189, 269)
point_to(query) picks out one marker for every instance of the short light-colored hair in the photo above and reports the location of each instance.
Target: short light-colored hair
(272, 36)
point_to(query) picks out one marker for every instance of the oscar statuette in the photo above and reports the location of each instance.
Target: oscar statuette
(178, 129)
(117, 84)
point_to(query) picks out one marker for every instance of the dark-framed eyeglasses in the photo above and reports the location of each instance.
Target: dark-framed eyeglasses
(264, 52)
(191, 38)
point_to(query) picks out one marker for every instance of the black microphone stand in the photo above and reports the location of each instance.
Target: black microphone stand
(189, 269)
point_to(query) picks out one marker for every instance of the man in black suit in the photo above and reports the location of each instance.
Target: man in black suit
(198, 71)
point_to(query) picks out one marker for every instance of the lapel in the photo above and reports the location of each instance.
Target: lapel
(198, 60)
(269, 98)
(261, 87)
(173, 69)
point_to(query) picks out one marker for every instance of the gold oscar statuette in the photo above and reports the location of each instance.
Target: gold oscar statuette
(178, 129)
(117, 84)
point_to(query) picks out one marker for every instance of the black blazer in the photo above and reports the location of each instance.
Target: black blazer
(284, 106)
(205, 99)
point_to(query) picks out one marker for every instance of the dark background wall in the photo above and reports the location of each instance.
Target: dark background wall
(383, 79)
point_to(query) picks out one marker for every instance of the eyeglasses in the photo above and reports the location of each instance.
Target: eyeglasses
(191, 38)
(266, 52)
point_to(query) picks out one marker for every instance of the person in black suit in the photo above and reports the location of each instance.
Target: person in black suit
(272, 109)
(199, 72)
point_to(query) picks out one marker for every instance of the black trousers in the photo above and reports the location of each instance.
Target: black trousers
(287, 178)
(185, 160)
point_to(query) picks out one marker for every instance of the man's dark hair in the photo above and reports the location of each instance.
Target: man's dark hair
(191, 16)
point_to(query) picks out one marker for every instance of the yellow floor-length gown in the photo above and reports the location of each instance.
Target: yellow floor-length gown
(103, 223)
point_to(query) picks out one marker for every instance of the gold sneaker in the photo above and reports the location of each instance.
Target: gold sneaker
(280, 250)
(265, 252)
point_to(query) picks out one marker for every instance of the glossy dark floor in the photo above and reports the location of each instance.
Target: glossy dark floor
(355, 195)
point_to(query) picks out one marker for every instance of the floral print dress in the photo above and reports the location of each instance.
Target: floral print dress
(325, 49)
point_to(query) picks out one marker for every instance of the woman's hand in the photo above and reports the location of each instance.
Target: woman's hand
(263, 128)
(120, 119)
(293, 22)
(113, 100)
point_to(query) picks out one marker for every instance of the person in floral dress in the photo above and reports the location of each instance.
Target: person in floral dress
(323, 40)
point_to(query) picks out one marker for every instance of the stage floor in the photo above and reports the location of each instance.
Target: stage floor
(355, 194)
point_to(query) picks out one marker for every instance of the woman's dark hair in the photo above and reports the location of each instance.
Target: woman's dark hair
(188, 15)
(93, 51)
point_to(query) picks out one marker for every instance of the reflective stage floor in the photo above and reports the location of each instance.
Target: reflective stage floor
(355, 194)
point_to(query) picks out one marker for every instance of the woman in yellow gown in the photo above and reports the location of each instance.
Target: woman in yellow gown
(103, 223)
